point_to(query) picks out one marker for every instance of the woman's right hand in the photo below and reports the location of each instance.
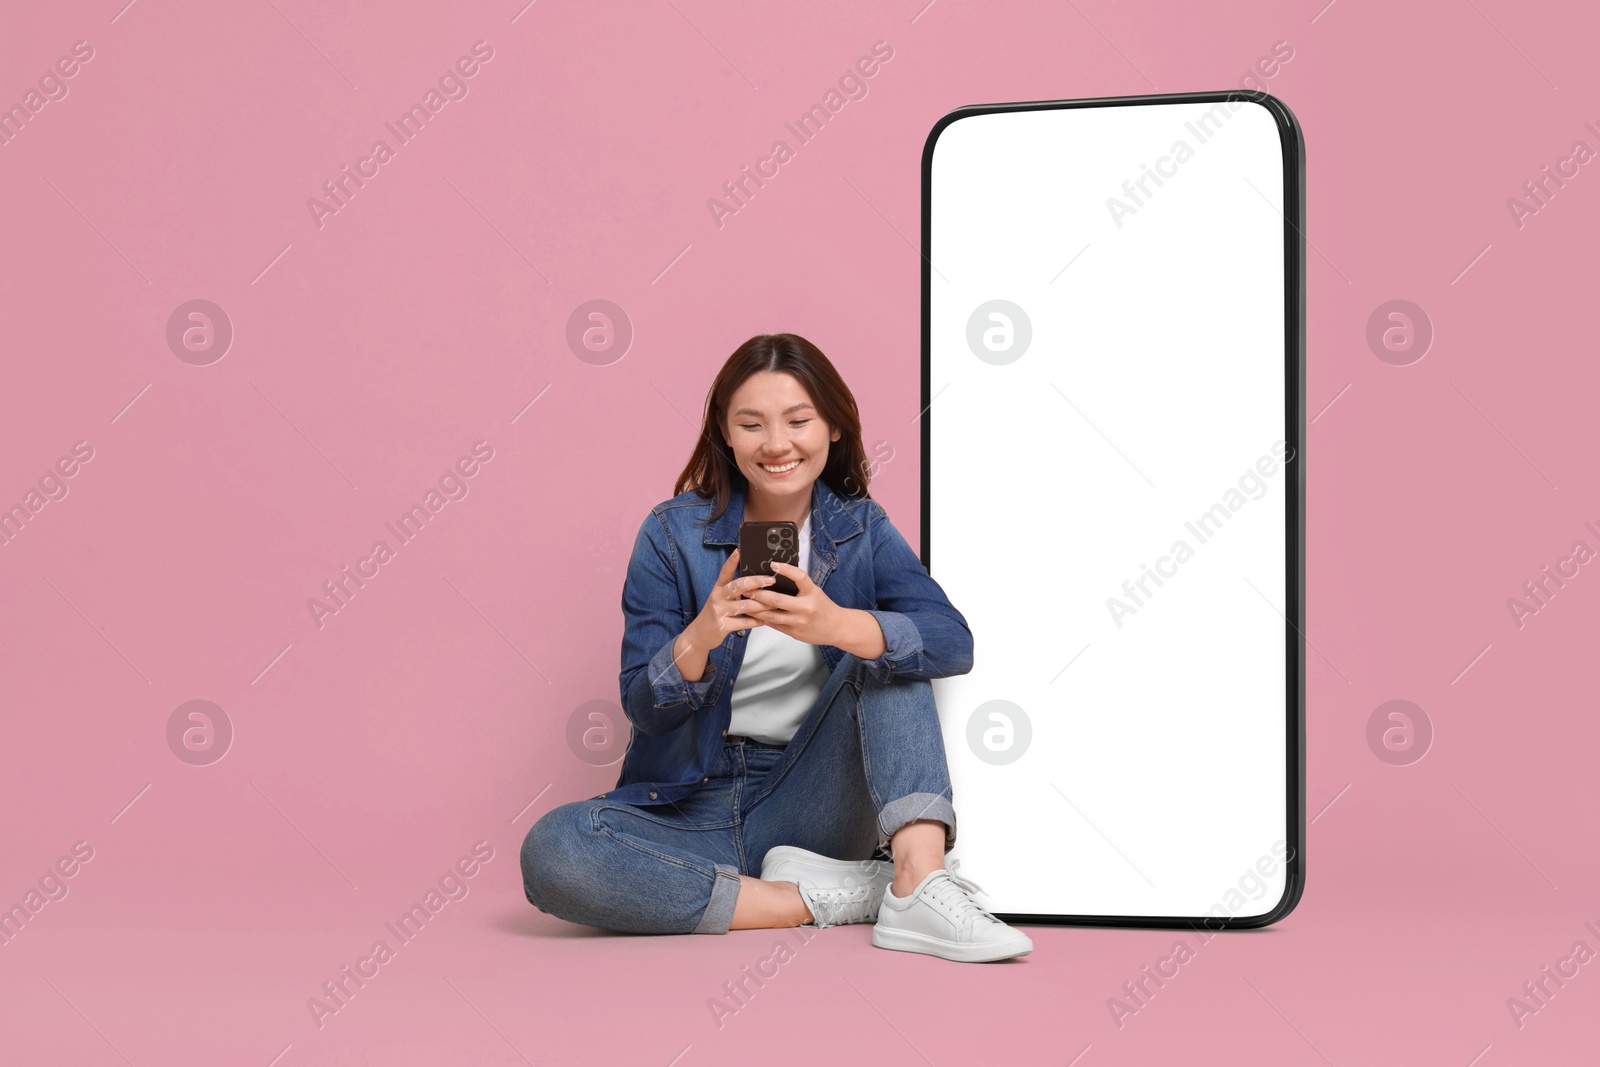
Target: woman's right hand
(718, 618)
(720, 615)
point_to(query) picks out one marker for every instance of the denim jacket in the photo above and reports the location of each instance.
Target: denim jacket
(857, 557)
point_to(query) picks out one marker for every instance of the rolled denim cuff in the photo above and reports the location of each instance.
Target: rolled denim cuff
(668, 684)
(902, 643)
(898, 813)
(719, 913)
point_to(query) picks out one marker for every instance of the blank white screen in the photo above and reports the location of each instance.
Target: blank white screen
(1154, 781)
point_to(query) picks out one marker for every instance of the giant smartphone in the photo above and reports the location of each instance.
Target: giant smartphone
(1112, 376)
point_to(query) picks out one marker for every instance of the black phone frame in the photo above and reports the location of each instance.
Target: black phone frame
(1294, 181)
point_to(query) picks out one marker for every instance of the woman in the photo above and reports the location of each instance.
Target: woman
(794, 735)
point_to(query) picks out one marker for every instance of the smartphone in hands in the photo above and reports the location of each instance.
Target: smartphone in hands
(760, 543)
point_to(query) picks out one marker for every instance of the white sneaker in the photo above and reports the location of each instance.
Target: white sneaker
(836, 891)
(941, 919)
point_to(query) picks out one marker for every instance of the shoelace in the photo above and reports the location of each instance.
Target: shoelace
(962, 904)
(836, 906)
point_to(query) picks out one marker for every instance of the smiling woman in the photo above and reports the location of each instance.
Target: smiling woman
(780, 742)
(774, 404)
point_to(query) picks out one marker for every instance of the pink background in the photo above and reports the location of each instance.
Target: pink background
(432, 712)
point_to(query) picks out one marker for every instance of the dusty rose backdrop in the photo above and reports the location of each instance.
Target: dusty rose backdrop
(219, 396)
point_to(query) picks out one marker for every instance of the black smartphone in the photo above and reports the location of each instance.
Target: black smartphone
(762, 542)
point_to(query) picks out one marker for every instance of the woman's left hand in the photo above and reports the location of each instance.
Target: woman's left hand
(810, 615)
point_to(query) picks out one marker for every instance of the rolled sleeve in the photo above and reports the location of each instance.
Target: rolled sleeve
(902, 643)
(924, 635)
(655, 696)
(669, 687)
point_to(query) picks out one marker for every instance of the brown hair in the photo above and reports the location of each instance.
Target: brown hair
(711, 470)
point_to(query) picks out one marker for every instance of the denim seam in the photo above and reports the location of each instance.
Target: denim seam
(674, 860)
(854, 678)
(737, 824)
(866, 756)
(595, 816)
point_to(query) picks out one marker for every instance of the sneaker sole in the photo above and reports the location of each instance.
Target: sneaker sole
(908, 941)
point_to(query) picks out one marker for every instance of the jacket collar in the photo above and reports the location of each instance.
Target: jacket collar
(833, 518)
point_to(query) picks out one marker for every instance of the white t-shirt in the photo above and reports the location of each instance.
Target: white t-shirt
(780, 677)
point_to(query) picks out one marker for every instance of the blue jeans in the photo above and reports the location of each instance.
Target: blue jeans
(867, 759)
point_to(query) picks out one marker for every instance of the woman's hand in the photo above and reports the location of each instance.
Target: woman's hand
(717, 619)
(810, 615)
(721, 614)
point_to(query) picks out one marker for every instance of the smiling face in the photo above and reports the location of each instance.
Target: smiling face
(780, 443)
